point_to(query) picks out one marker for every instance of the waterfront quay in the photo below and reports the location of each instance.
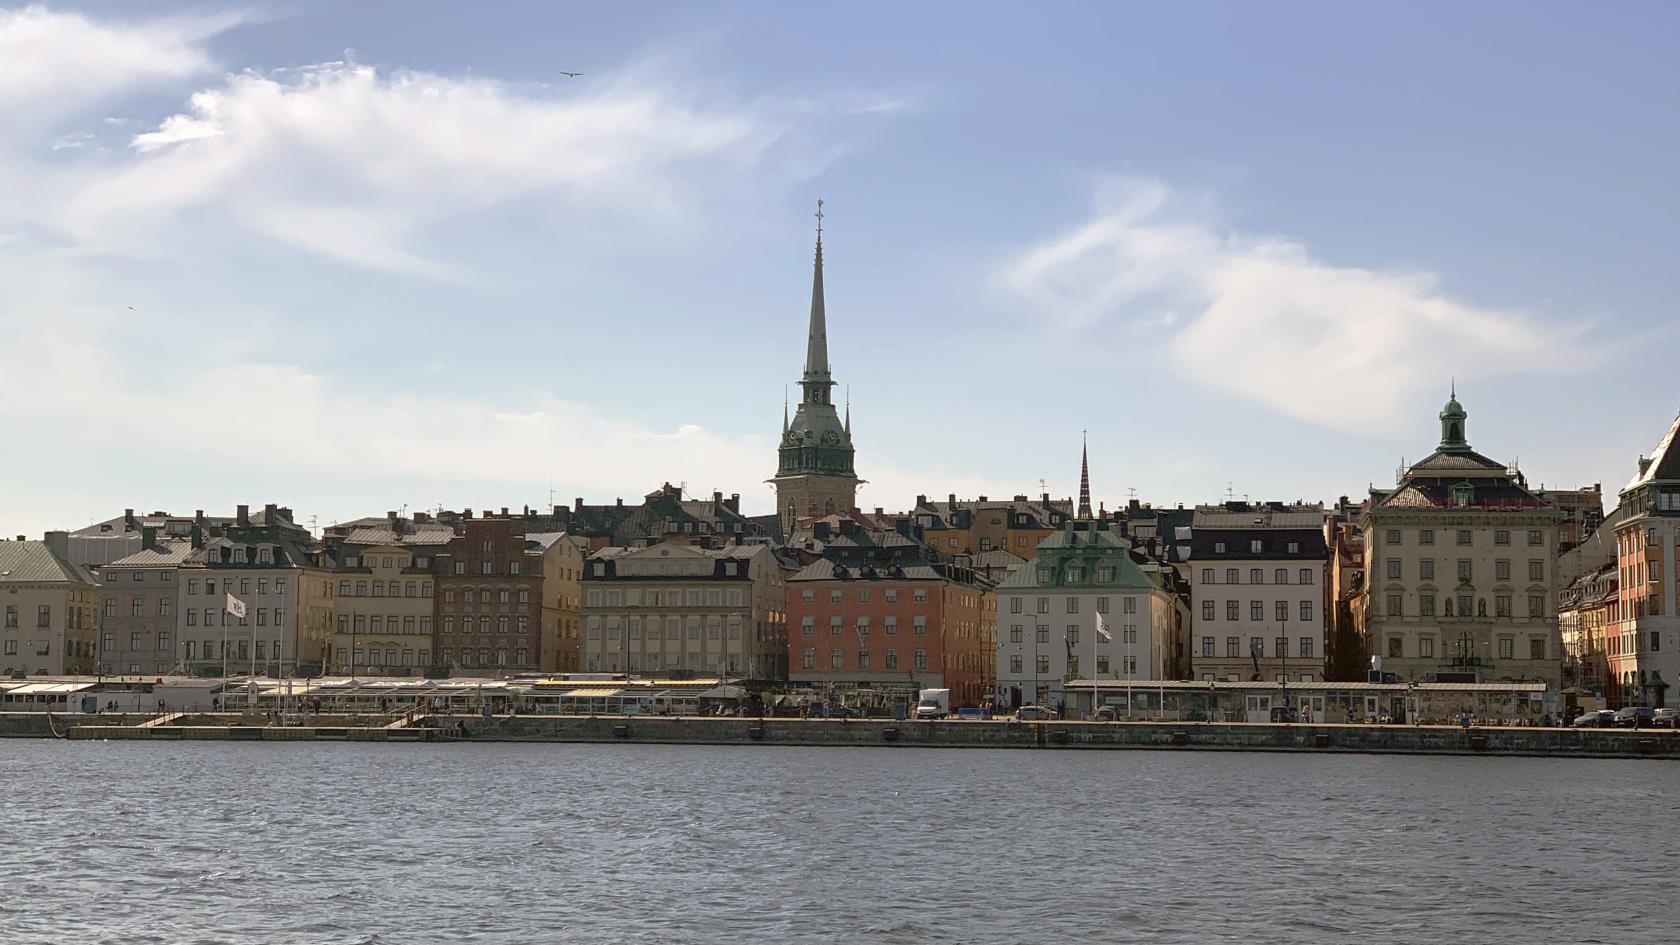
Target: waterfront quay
(1002, 733)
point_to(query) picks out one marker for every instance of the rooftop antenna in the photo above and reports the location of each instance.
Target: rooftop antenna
(1230, 490)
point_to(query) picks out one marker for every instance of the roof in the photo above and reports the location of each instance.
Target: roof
(1258, 519)
(1457, 460)
(170, 551)
(32, 562)
(1664, 463)
(383, 535)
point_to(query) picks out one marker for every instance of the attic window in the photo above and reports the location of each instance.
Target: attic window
(1218, 547)
(1463, 494)
(264, 555)
(1254, 546)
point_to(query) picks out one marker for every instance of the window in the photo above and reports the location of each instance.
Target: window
(1502, 570)
(1256, 576)
(1256, 646)
(1207, 576)
(1507, 648)
(1231, 576)
(1536, 605)
(1281, 576)
(836, 626)
(1102, 605)
(1537, 569)
(809, 659)
(1464, 569)
(891, 625)
(1015, 605)
(921, 660)
(1129, 606)
(1426, 569)
(1426, 604)
(1233, 647)
(1306, 651)
(1394, 608)
(1426, 536)
(835, 597)
(1394, 647)
(1207, 646)
(891, 596)
(1072, 605)
(1071, 634)
(1254, 546)
(836, 659)
(1015, 632)
(1464, 536)
(1218, 547)
(920, 625)
(1231, 610)
(1502, 605)
(1537, 646)
(1294, 547)
(920, 596)
(1207, 610)
(1280, 611)
(1426, 646)
(1306, 610)
(1394, 569)
(1394, 536)
(1306, 576)
(807, 624)
(1015, 665)
(1042, 634)
(43, 616)
(1534, 536)
(1501, 536)
(1256, 610)
(1280, 648)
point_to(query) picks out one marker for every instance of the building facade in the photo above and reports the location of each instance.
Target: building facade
(981, 526)
(1460, 570)
(1588, 610)
(1258, 578)
(814, 469)
(47, 609)
(1049, 612)
(138, 600)
(1642, 650)
(664, 607)
(494, 609)
(271, 566)
(878, 612)
(383, 619)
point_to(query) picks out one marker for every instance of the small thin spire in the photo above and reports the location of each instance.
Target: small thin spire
(848, 411)
(1452, 383)
(1084, 475)
(784, 410)
(816, 347)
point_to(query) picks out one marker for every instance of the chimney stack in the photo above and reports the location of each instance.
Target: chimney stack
(148, 538)
(128, 520)
(577, 504)
(242, 515)
(504, 511)
(734, 502)
(268, 513)
(59, 544)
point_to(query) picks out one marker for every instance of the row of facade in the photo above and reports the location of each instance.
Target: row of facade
(1460, 573)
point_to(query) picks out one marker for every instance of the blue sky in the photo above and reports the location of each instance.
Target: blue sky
(351, 257)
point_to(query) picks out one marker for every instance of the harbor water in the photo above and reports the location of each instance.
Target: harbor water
(132, 842)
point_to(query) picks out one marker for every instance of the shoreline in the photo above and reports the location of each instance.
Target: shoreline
(1660, 744)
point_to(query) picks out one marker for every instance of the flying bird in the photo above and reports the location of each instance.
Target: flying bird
(572, 74)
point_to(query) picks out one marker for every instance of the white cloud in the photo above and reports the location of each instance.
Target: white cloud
(1263, 318)
(51, 62)
(356, 164)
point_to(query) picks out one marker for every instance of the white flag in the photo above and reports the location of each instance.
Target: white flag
(1102, 630)
(235, 606)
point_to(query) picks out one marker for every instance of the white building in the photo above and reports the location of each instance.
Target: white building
(288, 602)
(1258, 577)
(1048, 610)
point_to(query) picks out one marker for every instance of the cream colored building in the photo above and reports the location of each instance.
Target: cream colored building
(382, 624)
(47, 607)
(1461, 580)
(274, 571)
(665, 607)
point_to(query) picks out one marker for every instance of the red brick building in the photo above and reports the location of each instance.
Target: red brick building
(877, 612)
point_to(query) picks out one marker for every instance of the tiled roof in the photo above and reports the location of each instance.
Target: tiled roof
(1456, 460)
(1665, 462)
(425, 535)
(31, 562)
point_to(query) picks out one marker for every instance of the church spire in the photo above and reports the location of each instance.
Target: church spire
(848, 413)
(1084, 477)
(816, 346)
(784, 412)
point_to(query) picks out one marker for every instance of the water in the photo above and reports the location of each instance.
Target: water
(397, 844)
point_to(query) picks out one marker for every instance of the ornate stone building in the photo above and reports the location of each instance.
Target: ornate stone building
(814, 473)
(1461, 582)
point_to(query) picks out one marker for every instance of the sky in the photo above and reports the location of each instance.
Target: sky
(353, 258)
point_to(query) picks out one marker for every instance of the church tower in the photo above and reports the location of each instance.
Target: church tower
(814, 474)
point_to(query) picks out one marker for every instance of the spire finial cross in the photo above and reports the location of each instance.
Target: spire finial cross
(819, 219)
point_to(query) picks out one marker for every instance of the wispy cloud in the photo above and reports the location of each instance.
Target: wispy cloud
(1264, 318)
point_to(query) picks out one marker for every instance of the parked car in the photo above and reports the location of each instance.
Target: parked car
(1666, 718)
(972, 712)
(1107, 713)
(1034, 713)
(1597, 718)
(1633, 716)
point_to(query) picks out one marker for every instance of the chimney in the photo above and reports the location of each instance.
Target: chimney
(22, 538)
(879, 511)
(197, 533)
(59, 544)
(951, 500)
(128, 520)
(982, 498)
(1046, 498)
(286, 513)
(269, 511)
(504, 512)
(242, 515)
(717, 497)
(620, 503)
(422, 518)
(148, 538)
(391, 520)
(734, 502)
(921, 500)
(527, 511)
(577, 504)
(198, 518)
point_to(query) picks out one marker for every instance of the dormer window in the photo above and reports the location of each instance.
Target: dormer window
(1254, 546)
(1218, 547)
(1463, 494)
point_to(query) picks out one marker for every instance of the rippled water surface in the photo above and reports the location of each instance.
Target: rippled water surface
(317, 843)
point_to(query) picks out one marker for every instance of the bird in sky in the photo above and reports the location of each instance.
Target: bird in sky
(572, 74)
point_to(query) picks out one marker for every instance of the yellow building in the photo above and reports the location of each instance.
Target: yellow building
(383, 613)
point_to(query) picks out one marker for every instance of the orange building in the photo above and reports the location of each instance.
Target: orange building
(879, 614)
(964, 527)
